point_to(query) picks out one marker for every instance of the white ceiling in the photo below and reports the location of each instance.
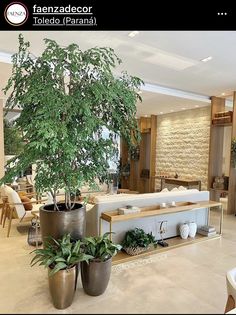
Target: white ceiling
(166, 58)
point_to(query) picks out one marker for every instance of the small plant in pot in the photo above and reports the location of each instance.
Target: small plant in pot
(67, 98)
(137, 241)
(95, 273)
(61, 257)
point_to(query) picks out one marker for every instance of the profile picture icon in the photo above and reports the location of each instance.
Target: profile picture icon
(16, 13)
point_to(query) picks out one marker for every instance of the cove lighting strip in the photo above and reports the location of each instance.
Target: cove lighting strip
(177, 93)
(5, 57)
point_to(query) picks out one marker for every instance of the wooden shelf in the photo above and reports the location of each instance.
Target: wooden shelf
(217, 189)
(113, 216)
(174, 242)
(222, 124)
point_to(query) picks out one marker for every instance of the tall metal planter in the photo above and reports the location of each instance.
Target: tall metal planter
(57, 223)
(62, 287)
(95, 276)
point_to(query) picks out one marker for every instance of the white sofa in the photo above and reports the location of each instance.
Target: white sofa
(112, 202)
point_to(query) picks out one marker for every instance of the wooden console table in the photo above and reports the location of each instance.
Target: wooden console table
(113, 216)
(180, 182)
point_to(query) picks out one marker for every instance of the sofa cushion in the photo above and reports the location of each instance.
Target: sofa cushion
(165, 190)
(182, 188)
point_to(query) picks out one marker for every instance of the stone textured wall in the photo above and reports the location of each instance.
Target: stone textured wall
(183, 145)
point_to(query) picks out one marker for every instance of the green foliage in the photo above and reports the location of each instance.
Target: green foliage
(233, 146)
(60, 254)
(138, 238)
(67, 97)
(13, 140)
(100, 247)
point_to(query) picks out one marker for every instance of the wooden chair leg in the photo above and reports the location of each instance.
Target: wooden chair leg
(230, 304)
(2, 213)
(6, 211)
(9, 225)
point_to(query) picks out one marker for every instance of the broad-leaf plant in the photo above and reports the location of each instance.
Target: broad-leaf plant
(67, 97)
(101, 248)
(59, 254)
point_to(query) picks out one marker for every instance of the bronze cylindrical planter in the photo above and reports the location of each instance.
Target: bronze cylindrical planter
(62, 287)
(57, 223)
(95, 276)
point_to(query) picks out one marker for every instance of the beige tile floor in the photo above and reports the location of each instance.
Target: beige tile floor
(186, 280)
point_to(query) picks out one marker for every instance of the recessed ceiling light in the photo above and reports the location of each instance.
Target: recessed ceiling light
(161, 113)
(145, 115)
(183, 108)
(134, 33)
(196, 105)
(172, 110)
(223, 94)
(206, 59)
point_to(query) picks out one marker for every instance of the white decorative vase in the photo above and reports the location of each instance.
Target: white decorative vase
(184, 231)
(192, 229)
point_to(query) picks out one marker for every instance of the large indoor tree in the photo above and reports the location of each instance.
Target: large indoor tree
(67, 97)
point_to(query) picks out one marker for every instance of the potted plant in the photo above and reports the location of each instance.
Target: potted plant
(67, 97)
(95, 273)
(137, 241)
(61, 257)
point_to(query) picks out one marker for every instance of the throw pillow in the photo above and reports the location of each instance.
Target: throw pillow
(175, 189)
(26, 203)
(182, 188)
(165, 190)
(21, 193)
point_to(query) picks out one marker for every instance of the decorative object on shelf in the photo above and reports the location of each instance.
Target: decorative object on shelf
(222, 117)
(137, 241)
(129, 210)
(162, 230)
(176, 175)
(233, 152)
(95, 274)
(192, 229)
(61, 257)
(133, 251)
(184, 230)
(163, 205)
(218, 182)
(207, 230)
